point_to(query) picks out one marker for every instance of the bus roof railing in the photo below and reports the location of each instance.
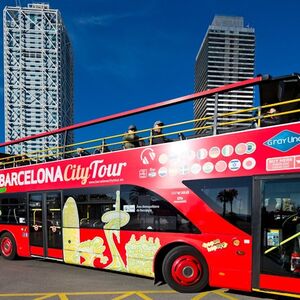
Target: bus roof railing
(116, 140)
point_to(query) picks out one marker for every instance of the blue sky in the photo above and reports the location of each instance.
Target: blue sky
(130, 53)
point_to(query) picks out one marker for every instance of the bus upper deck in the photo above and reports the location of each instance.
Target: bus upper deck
(279, 94)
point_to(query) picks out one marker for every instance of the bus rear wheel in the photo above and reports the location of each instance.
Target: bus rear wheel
(8, 246)
(185, 270)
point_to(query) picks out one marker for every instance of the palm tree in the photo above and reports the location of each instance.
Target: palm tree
(227, 195)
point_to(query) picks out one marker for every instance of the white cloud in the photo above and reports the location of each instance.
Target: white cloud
(126, 67)
(104, 20)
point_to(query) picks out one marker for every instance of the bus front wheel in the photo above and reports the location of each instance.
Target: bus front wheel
(185, 270)
(8, 246)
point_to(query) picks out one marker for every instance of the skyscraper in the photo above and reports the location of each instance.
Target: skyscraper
(225, 56)
(38, 76)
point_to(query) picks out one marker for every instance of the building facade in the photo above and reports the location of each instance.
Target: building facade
(226, 55)
(38, 77)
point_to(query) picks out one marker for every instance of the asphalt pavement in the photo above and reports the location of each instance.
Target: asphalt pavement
(41, 279)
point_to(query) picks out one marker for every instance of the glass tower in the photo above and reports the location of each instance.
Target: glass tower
(225, 56)
(38, 77)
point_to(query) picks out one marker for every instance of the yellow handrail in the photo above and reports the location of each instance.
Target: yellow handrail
(70, 149)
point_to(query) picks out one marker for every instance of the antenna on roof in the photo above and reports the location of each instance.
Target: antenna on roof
(18, 2)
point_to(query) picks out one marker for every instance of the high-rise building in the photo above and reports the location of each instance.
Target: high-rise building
(225, 56)
(38, 76)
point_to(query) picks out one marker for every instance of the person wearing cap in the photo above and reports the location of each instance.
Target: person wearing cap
(130, 138)
(157, 136)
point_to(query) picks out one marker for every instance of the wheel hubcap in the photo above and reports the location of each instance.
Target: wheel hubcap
(6, 246)
(186, 270)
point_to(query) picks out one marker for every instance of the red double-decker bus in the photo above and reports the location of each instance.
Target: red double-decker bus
(221, 210)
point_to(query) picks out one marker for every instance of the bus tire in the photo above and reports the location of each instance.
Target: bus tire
(8, 246)
(185, 270)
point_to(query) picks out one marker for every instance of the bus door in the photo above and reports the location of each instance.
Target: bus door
(276, 234)
(45, 222)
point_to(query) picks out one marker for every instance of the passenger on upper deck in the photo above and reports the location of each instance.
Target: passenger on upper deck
(157, 136)
(81, 152)
(23, 160)
(270, 118)
(6, 162)
(131, 139)
(102, 148)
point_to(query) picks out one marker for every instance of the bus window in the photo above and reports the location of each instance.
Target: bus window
(149, 211)
(281, 226)
(229, 197)
(92, 204)
(13, 209)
